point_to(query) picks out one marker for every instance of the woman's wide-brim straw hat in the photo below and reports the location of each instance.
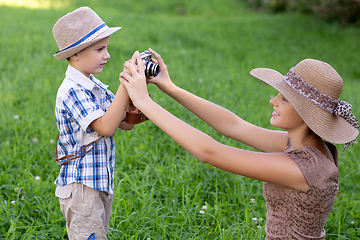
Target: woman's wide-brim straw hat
(79, 29)
(313, 88)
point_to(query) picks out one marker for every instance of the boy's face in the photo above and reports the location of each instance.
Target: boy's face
(92, 59)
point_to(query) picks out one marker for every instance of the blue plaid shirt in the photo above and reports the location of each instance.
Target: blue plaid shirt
(79, 102)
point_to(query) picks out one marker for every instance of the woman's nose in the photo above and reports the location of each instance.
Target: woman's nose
(273, 100)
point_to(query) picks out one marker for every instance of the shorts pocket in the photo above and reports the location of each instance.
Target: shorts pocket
(64, 194)
(63, 191)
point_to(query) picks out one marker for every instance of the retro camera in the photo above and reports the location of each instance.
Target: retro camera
(151, 69)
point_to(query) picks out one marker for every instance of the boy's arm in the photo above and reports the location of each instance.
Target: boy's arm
(108, 123)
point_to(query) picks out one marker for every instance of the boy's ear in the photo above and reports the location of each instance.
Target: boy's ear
(74, 57)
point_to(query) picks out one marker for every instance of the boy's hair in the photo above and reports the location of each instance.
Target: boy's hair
(79, 29)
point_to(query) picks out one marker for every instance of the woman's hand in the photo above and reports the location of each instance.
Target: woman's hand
(133, 78)
(162, 80)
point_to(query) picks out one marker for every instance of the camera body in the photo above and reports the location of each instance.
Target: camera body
(151, 69)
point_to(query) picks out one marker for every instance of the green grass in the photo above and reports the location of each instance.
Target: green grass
(209, 48)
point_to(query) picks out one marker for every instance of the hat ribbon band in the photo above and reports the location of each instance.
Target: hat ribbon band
(338, 107)
(88, 37)
(343, 109)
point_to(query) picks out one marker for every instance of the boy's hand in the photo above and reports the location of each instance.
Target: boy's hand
(125, 69)
(162, 80)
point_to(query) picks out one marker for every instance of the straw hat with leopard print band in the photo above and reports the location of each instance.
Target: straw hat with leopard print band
(313, 87)
(77, 30)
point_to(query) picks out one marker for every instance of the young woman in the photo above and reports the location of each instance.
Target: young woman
(298, 166)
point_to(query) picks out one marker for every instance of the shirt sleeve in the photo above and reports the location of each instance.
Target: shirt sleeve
(317, 169)
(83, 107)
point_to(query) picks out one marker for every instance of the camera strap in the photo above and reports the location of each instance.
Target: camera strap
(75, 156)
(133, 116)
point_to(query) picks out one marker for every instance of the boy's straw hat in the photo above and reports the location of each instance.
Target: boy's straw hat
(313, 87)
(77, 30)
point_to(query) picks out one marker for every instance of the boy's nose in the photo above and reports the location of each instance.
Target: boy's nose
(107, 55)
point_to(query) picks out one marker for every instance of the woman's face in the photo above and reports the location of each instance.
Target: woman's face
(284, 115)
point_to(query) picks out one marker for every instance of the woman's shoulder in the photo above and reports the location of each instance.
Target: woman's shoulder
(313, 152)
(316, 166)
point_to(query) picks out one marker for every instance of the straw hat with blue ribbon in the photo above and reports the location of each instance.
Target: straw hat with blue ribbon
(79, 29)
(313, 88)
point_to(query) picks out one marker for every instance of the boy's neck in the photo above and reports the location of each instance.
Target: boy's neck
(71, 63)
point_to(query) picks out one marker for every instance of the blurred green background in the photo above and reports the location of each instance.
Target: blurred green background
(209, 48)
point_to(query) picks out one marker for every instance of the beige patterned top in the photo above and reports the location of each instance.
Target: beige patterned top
(293, 214)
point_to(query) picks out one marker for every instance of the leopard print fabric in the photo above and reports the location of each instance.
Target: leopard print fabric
(343, 109)
(310, 92)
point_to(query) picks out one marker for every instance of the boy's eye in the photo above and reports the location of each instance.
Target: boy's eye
(284, 99)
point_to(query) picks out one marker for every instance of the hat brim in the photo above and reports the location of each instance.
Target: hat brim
(71, 51)
(326, 125)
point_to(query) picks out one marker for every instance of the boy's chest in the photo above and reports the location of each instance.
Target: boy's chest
(101, 97)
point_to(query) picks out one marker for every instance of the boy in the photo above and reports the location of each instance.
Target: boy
(87, 116)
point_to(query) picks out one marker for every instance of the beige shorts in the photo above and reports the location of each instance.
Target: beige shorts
(86, 210)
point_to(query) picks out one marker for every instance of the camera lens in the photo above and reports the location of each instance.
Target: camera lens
(151, 69)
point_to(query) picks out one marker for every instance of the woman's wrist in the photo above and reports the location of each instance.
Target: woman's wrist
(170, 89)
(141, 103)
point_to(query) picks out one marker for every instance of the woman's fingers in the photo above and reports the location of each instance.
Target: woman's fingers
(157, 56)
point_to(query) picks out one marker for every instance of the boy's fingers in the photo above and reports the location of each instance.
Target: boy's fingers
(125, 82)
(139, 60)
(133, 58)
(125, 76)
(131, 68)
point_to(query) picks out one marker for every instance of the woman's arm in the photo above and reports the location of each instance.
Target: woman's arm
(219, 118)
(270, 167)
